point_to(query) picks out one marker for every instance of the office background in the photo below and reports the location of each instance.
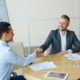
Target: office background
(32, 20)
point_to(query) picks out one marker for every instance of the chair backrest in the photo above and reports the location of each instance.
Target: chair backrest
(48, 50)
(18, 48)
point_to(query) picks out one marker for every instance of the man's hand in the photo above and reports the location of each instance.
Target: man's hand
(65, 52)
(38, 52)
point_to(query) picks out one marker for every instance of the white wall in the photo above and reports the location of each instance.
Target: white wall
(17, 16)
(32, 20)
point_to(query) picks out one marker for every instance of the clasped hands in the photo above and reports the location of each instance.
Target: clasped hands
(38, 52)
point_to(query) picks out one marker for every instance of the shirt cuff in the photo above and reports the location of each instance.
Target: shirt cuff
(34, 55)
(69, 51)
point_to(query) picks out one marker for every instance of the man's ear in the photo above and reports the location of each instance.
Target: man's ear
(4, 35)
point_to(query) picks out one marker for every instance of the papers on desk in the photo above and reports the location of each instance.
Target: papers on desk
(73, 56)
(42, 65)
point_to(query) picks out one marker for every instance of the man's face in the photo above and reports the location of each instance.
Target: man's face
(9, 35)
(63, 24)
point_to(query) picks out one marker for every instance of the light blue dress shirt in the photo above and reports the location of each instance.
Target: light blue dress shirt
(8, 58)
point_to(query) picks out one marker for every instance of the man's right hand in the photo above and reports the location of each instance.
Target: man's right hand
(38, 52)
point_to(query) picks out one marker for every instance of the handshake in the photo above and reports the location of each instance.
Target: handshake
(38, 52)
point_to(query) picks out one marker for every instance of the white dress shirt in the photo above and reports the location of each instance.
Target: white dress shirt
(8, 58)
(63, 40)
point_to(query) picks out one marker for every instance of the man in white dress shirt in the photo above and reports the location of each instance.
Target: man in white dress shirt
(61, 39)
(8, 57)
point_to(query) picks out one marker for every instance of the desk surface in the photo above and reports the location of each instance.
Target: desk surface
(64, 65)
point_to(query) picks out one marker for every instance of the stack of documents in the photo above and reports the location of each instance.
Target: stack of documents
(42, 65)
(73, 56)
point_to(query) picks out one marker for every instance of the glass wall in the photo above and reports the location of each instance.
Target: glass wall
(3, 11)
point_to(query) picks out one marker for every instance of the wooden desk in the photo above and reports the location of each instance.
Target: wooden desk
(64, 65)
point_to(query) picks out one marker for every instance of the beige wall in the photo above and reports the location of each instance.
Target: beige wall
(35, 18)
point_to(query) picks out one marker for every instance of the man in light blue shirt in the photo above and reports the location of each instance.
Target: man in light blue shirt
(8, 57)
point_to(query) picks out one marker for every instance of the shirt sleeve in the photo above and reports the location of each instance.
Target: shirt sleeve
(14, 58)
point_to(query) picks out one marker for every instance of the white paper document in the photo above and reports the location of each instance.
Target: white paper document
(42, 65)
(73, 56)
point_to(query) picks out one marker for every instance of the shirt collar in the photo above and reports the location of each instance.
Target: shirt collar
(63, 33)
(4, 43)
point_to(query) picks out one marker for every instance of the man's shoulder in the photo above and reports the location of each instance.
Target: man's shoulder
(70, 31)
(5, 48)
(54, 31)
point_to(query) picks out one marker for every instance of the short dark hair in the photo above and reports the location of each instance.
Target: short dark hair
(4, 27)
(65, 17)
